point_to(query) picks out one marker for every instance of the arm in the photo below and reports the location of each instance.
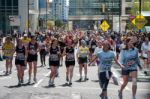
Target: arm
(118, 63)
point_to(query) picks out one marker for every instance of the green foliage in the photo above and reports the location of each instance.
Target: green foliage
(145, 6)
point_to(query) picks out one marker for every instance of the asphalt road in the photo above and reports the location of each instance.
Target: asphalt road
(82, 90)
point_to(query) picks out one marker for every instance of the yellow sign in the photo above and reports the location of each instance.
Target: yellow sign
(104, 26)
(139, 21)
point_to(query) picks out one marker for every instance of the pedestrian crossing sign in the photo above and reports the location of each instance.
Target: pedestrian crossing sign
(104, 26)
(139, 21)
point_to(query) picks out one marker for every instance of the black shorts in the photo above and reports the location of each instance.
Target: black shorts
(127, 72)
(32, 58)
(69, 63)
(20, 62)
(117, 50)
(103, 80)
(82, 60)
(54, 63)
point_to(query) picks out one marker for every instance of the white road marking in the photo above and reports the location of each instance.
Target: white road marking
(76, 96)
(5, 78)
(38, 83)
(46, 75)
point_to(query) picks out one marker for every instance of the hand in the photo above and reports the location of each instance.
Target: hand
(122, 66)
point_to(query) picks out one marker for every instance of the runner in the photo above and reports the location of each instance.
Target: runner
(70, 61)
(129, 58)
(106, 57)
(43, 52)
(145, 48)
(54, 61)
(20, 61)
(82, 56)
(32, 58)
(8, 50)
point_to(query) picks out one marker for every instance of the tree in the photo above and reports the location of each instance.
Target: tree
(145, 6)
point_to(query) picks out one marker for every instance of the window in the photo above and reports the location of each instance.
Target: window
(128, 0)
(128, 10)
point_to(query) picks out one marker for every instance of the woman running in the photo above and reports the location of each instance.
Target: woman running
(106, 57)
(8, 50)
(54, 59)
(82, 56)
(20, 61)
(145, 48)
(129, 58)
(70, 61)
(32, 58)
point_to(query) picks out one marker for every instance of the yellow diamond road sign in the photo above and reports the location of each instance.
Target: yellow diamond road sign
(104, 26)
(139, 21)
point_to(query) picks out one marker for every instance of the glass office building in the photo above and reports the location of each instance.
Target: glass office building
(94, 8)
(7, 8)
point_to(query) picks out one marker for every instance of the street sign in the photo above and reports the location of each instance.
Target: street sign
(139, 21)
(104, 26)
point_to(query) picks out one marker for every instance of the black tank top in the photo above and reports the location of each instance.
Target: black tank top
(70, 54)
(54, 56)
(32, 46)
(20, 50)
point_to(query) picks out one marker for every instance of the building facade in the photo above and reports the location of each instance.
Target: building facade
(7, 8)
(60, 9)
(92, 12)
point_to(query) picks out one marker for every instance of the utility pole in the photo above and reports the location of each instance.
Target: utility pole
(140, 8)
(28, 15)
(46, 13)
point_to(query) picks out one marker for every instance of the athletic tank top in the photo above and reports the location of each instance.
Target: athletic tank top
(70, 54)
(54, 54)
(20, 53)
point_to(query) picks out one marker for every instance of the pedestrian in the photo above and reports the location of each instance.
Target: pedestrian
(54, 59)
(106, 57)
(82, 56)
(130, 60)
(20, 61)
(69, 61)
(145, 48)
(43, 52)
(32, 57)
(8, 50)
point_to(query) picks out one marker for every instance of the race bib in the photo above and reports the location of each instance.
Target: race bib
(70, 57)
(20, 57)
(130, 63)
(54, 57)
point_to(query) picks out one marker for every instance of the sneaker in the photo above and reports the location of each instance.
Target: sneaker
(120, 94)
(80, 80)
(29, 82)
(85, 79)
(22, 81)
(133, 97)
(19, 84)
(6, 73)
(70, 83)
(101, 96)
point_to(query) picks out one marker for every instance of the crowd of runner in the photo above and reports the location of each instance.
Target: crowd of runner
(93, 48)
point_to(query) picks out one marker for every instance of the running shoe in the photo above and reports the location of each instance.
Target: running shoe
(80, 80)
(85, 79)
(133, 97)
(120, 94)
